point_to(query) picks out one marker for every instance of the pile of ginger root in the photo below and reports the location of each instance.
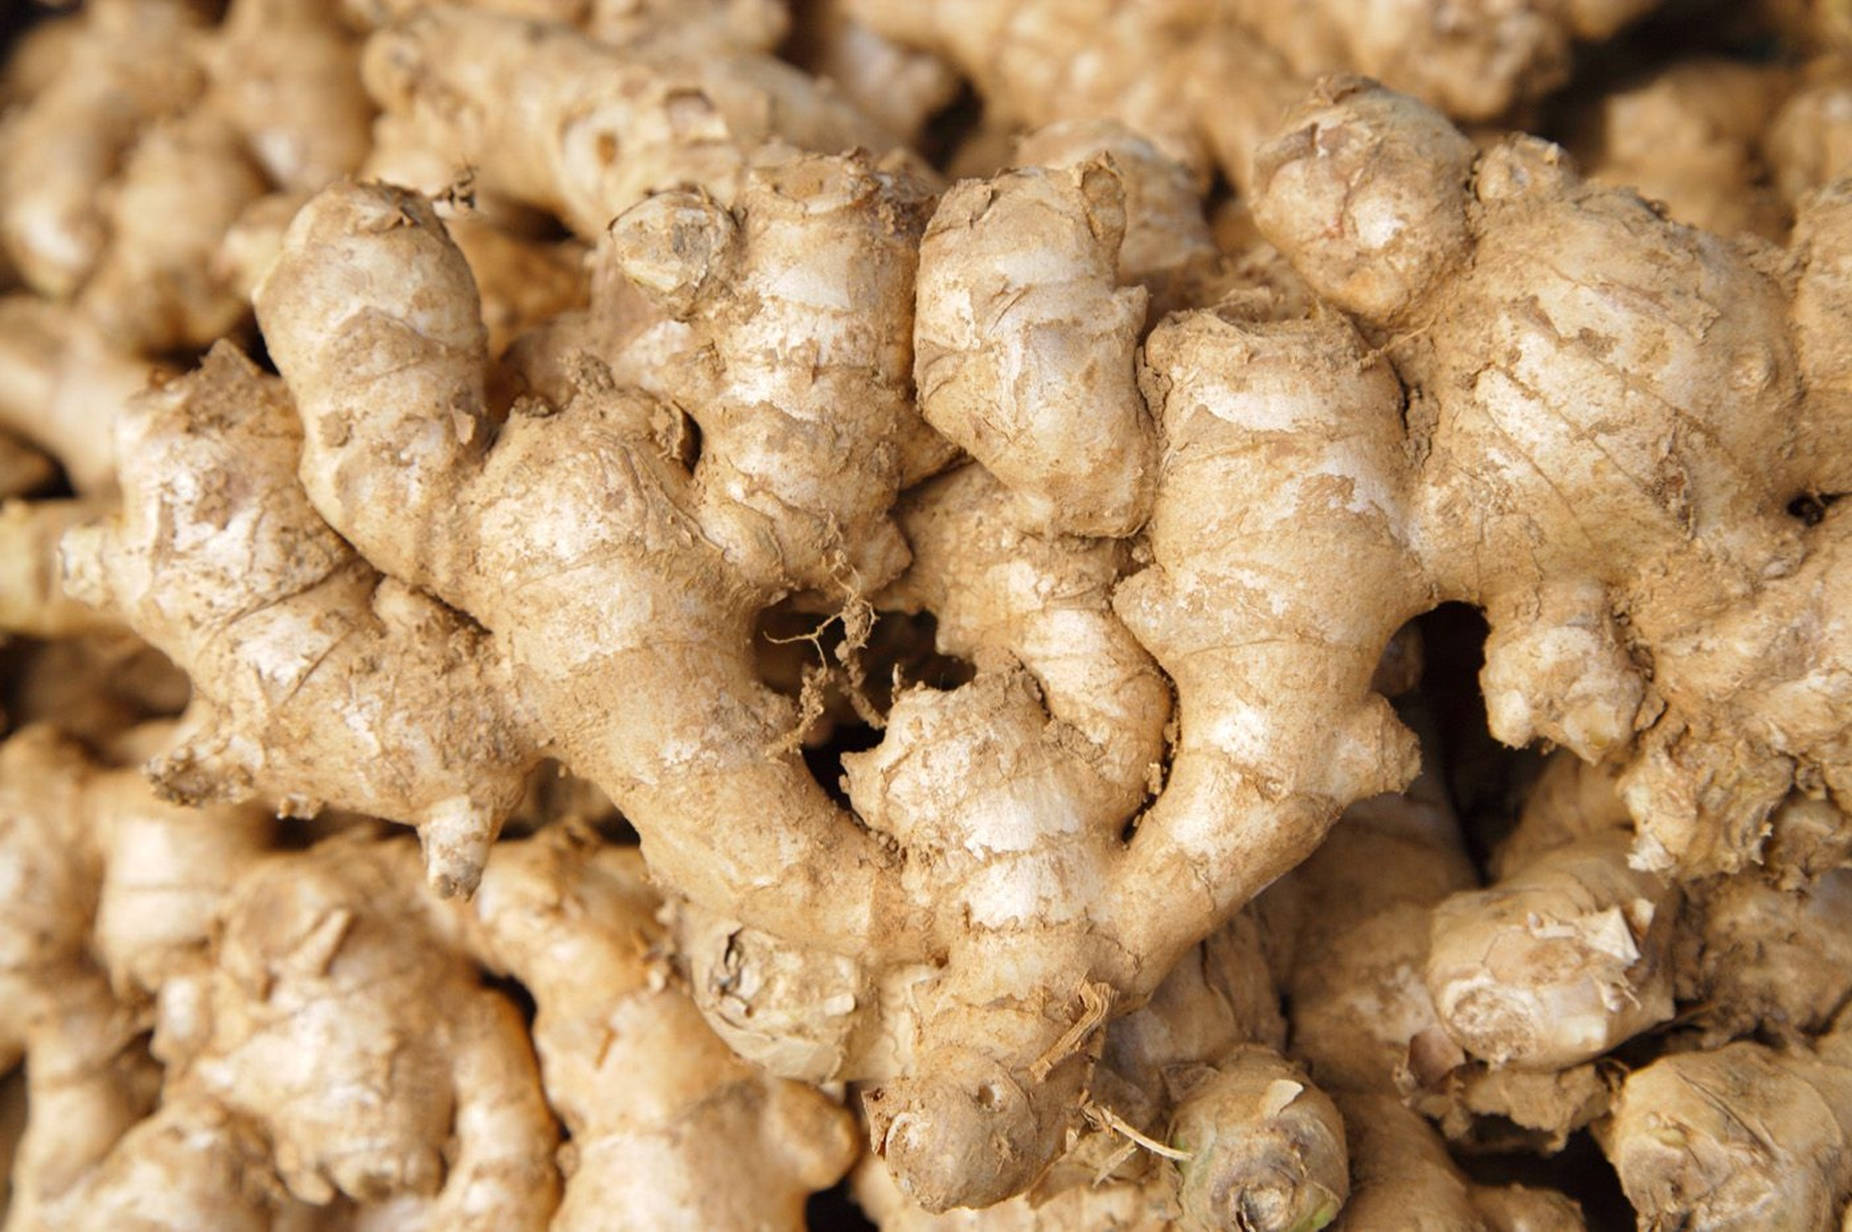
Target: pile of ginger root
(987, 615)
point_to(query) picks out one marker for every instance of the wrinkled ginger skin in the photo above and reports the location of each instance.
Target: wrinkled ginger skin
(247, 589)
(180, 189)
(1296, 416)
(62, 386)
(369, 312)
(1362, 1019)
(1475, 61)
(800, 462)
(1681, 531)
(669, 1130)
(1026, 353)
(131, 65)
(368, 288)
(1168, 247)
(338, 1022)
(995, 588)
(1267, 1148)
(1401, 1177)
(1559, 962)
(1742, 1137)
(1570, 951)
(620, 123)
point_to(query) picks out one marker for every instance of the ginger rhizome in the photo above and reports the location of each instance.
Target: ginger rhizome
(688, 355)
(991, 865)
(445, 514)
(1710, 575)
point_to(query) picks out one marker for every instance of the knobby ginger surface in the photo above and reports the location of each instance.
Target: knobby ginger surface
(965, 494)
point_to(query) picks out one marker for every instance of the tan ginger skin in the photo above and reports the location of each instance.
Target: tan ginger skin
(808, 876)
(1687, 537)
(1569, 952)
(107, 889)
(1746, 1136)
(1692, 138)
(980, 853)
(669, 1130)
(1232, 66)
(475, 87)
(124, 171)
(331, 1058)
(1196, 1121)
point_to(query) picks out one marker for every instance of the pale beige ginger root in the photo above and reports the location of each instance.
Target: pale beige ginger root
(1520, 1208)
(1569, 952)
(154, 288)
(286, 74)
(140, 880)
(1104, 1208)
(669, 1130)
(1025, 353)
(1476, 60)
(62, 387)
(1356, 916)
(246, 248)
(1195, 1121)
(990, 863)
(738, 25)
(138, 885)
(1034, 62)
(619, 122)
(185, 1167)
(33, 601)
(1214, 826)
(88, 1074)
(1401, 1176)
(1354, 922)
(1001, 327)
(1225, 823)
(180, 127)
(1767, 959)
(1690, 137)
(523, 283)
(1003, 594)
(133, 64)
(1266, 1149)
(1395, 217)
(1287, 1172)
(1168, 247)
(279, 625)
(1808, 143)
(456, 519)
(340, 1027)
(88, 1081)
(800, 461)
(1745, 1136)
(901, 88)
(1758, 950)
